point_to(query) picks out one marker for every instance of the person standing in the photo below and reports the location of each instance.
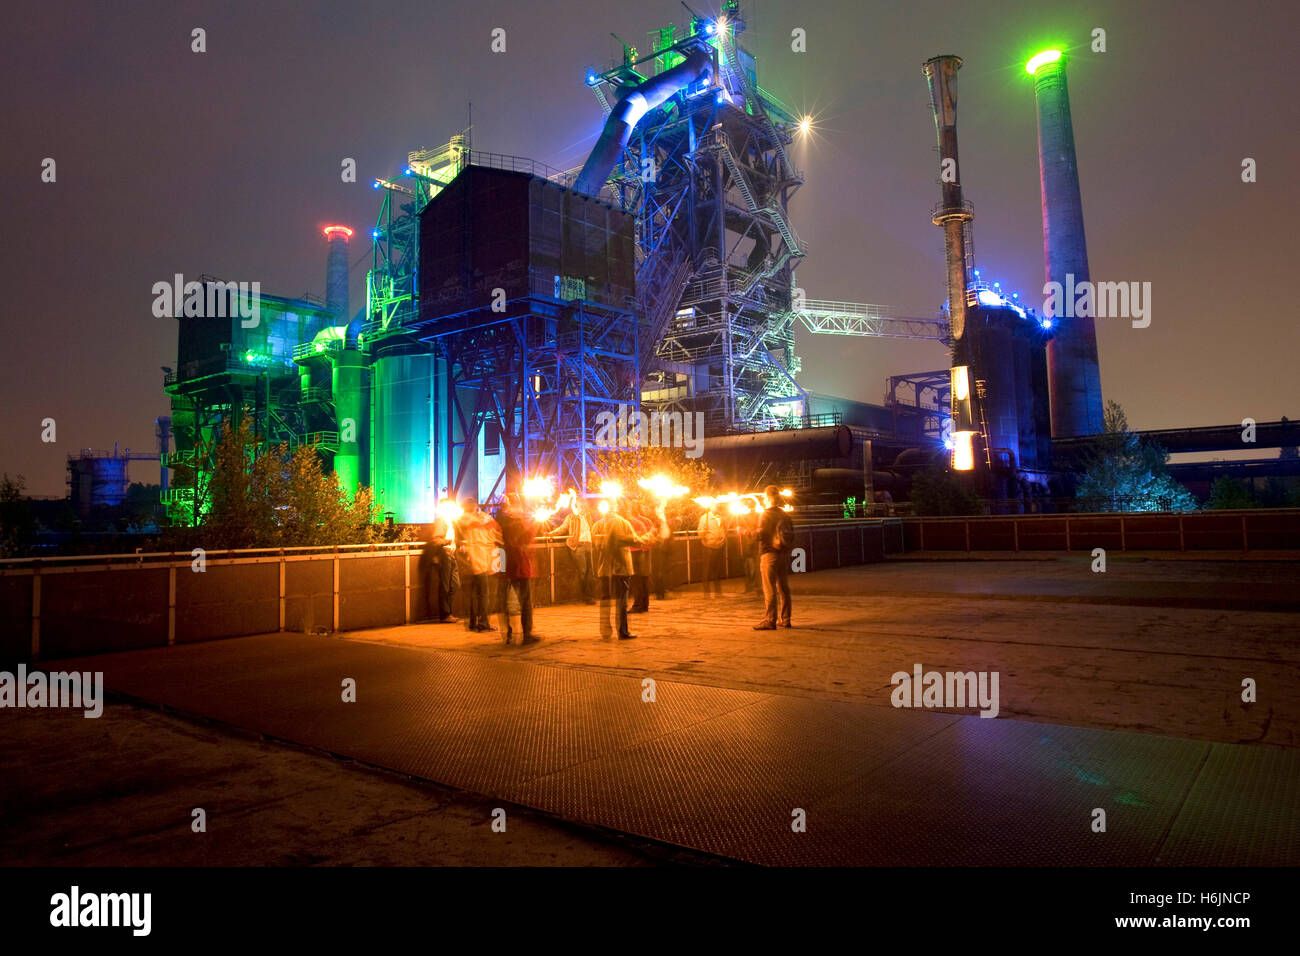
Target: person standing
(713, 536)
(747, 526)
(438, 570)
(775, 541)
(613, 537)
(518, 532)
(576, 530)
(663, 535)
(640, 582)
(480, 539)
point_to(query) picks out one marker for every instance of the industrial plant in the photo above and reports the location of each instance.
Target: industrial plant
(508, 305)
(593, 512)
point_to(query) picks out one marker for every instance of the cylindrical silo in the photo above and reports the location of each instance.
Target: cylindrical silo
(1074, 375)
(348, 383)
(401, 389)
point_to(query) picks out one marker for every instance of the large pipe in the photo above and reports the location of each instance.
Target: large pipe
(953, 214)
(794, 444)
(627, 112)
(1074, 375)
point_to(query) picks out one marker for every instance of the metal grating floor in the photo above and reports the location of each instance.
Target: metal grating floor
(722, 770)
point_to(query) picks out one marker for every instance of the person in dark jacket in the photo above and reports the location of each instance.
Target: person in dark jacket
(775, 541)
(639, 583)
(437, 567)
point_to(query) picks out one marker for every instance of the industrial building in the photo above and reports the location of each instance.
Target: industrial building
(508, 305)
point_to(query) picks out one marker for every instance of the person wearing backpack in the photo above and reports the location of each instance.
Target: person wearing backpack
(775, 541)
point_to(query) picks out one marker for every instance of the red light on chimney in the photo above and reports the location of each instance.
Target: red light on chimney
(332, 231)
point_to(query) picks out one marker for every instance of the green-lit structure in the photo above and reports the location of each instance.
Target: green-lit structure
(537, 300)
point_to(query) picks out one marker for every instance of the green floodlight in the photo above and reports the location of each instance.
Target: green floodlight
(1042, 59)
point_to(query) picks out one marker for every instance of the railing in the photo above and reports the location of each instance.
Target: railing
(310, 350)
(1276, 529)
(861, 318)
(941, 212)
(794, 422)
(231, 362)
(316, 393)
(324, 439)
(165, 598)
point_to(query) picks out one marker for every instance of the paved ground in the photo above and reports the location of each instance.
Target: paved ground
(121, 791)
(1135, 648)
(749, 730)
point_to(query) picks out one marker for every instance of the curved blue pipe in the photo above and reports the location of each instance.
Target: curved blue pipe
(629, 110)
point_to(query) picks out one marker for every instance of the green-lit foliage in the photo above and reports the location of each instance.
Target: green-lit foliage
(1124, 473)
(262, 496)
(937, 491)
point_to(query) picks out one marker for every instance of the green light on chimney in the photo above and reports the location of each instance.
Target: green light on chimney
(1042, 59)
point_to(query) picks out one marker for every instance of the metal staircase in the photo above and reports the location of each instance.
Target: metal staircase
(720, 146)
(660, 284)
(726, 43)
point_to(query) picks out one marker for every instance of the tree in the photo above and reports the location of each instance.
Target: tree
(261, 496)
(936, 491)
(1124, 473)
(17, 521)
(628, 466)
(1229, 493)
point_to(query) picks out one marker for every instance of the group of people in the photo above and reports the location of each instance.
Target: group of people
(620, 558)
(489, 548)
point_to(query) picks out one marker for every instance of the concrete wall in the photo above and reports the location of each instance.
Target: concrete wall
(95, 605)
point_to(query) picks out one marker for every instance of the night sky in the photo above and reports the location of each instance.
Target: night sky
(227, 162)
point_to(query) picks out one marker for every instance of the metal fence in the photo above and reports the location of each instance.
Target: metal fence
(1256, 530)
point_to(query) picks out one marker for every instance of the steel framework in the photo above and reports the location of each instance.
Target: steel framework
(860, 318)
(710, 180)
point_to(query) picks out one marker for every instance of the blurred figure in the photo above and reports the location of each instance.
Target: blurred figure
(747, 528)
(713, 536)
(518, 532)
(439, 572)
(576, 530)
(775, 540)
(479, 537)
(663, 534)
(613, 537)
(640, 582)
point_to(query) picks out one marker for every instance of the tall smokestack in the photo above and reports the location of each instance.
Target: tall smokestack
(1073, 373)
(336, 271)
(952, 213)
